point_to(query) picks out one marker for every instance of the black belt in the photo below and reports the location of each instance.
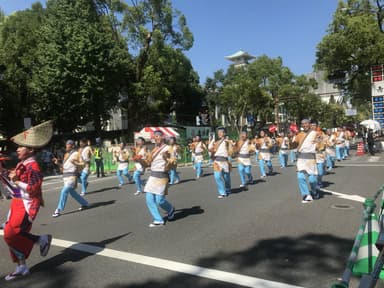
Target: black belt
(123, 161)
(159, 174)
(301, 155)
(221, 158)
(283, 148)
(198, 153)
(69, 174)
(243, 155)
(264, 150)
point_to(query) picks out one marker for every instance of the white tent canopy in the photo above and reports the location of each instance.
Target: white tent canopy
(147, 133)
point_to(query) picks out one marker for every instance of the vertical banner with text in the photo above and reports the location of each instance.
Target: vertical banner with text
(377, 86)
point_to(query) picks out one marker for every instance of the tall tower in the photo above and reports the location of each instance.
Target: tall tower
(240, 58)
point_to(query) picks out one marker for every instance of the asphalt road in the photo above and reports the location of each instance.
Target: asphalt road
(264, 237)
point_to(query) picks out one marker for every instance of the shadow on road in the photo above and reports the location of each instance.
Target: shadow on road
(92, 205)
(53, 273)
(102, 190)
(185, 181)
(185, 212)
(327, 184)
(207, 174)
(297, 261)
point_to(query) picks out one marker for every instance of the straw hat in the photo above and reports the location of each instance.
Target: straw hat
(36, 136)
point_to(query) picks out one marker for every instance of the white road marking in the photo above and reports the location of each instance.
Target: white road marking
(356, 198)
(373, 159)
(360, 165)
(238, 279)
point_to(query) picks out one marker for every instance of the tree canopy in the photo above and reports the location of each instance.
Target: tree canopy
(76, 61)
(353, 44)
(265, 88)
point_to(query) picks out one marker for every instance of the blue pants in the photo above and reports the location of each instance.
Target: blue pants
(155, 200)
(262, 168)
(199, 170)
(303, 186)
(83, 179)
(64, 196)
(346, 151)
(283, 158)
(124, 172)
(244, 170)
(292, 156)
(330, 162)
(223, 182)
(173, 177)
(339, 153)
(138, 182)
(320, 171)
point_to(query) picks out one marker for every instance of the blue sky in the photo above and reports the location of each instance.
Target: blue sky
(290, 29)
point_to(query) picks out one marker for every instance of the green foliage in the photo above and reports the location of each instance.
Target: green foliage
(70, 62)
(18, 45)
(353, 44)
(80, 66)
(154, 23)
(259, 89)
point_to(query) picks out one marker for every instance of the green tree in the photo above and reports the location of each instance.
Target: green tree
(263, 88)
(353, 44)
(155, 23)
(212, 91)
(81, 68)
(18, 48)
(157, 34)
(241, 94)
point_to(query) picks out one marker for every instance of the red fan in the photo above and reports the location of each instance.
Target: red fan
(4, 158)
(272, 128)
(293, 128)
(137, 157)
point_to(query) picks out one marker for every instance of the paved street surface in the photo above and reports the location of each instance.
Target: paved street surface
(264, 237)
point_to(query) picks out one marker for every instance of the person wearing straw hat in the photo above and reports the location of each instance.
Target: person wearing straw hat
(24, 183)
(156, 187)
(70, 165)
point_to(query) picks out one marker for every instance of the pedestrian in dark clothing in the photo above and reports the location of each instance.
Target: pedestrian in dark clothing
(370, 142)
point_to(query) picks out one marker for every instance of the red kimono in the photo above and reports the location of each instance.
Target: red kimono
(24, 210)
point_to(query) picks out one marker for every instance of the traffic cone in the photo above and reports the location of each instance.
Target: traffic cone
(368, 253)
(360, 149)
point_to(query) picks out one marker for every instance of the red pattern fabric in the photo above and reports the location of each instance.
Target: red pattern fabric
(18, 224)
(17, 228)
(29, 172)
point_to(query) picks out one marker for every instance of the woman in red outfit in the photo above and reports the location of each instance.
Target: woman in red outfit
(24, 183)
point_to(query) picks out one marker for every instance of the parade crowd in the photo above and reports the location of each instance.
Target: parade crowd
(313, 149)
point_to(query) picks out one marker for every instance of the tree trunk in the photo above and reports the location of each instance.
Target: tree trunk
(276, 109)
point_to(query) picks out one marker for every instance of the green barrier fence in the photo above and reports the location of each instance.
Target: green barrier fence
(110, 166)
(368, 215)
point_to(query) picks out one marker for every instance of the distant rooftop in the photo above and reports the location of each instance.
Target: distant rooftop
(240, 55)
(240, 58)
